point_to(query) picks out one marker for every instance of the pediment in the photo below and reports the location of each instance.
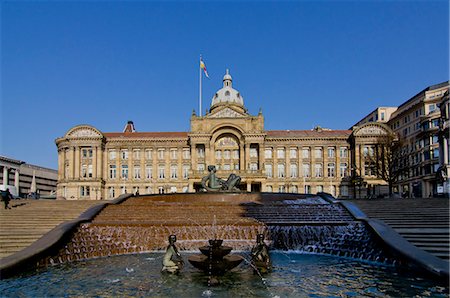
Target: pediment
(372, 129)
(226, 113)
(84, 132)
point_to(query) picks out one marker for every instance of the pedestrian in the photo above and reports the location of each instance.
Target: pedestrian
(6, 197)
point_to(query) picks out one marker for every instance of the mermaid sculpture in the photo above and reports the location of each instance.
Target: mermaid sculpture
(260, 255)
(172, 261)
(213, 183)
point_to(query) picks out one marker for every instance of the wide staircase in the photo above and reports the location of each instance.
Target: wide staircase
(29, 220)
(423, 222)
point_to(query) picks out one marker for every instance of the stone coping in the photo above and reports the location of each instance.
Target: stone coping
(26, 259)
(400, 245)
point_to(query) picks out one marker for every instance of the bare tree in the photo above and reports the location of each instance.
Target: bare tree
(389, 161)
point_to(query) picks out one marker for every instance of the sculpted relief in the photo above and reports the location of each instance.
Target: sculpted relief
(226, 113)
(372, 130)
(84, 132)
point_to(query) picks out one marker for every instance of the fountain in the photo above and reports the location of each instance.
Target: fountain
(300, 230)
(215, 258)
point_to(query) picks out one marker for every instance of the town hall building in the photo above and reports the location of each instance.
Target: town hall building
(99, 165)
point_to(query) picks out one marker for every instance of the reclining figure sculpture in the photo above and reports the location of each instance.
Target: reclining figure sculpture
(213, 183)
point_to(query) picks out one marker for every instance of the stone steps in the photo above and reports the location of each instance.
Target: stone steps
(29, 220)
(423, 222)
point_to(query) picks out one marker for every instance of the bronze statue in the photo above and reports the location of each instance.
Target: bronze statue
(260, 255)
(213, 183)
(172, 261)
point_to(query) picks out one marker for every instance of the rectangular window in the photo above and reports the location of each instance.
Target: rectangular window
(382, 116)
(161, 153)
(253, 152)
(226, 167)
(306, 170)
(85, 191)
(161, 172)
(253, 166)
(293, 153)
(293, 171)
(84, 171)
(281, 173)
(173, 172)
(136, 190)
(173, 153)
(434, 139)
(280, 153)
(331, 152)
(308, 189)
(148, 172)
(136, 154)
(268, 153)
(149, 154)
(186, 171)
(318, 153)
(137, 172)
(86, 153)
(343, 169)
(112, 172)
(226, 154)
(268, 170)
(124, 172)
(305, 152)
(124, 154)
(112, 154)
(318, 172)
(235, 154)
(368, 151)
(431, 108)
(331, 170)
(90, 171)
(319, 188)
(343, 152)
(201, 151)
(218, 154)
(186, 153)
(111, 192)
(281, 188)
(369, 169)
(201, 167)
(436, 153)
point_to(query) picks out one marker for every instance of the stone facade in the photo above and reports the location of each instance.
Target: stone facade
(17, 176)
(101, 165)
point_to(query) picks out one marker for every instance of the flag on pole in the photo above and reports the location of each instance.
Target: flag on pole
(203, 66)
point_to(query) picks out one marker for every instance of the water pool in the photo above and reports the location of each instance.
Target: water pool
(294, 275)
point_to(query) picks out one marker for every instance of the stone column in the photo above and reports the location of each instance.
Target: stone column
(5, 177)
(247, 156)
(260, 156)
(76, 163)
(16, 181)
(94, 162)
(241, 157)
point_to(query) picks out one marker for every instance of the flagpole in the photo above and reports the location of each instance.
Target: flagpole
(200, 87)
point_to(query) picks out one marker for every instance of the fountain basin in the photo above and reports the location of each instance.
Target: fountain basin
(215, 252)
(215, 266)
(294, 275)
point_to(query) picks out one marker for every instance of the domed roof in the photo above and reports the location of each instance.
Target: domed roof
(227, 95)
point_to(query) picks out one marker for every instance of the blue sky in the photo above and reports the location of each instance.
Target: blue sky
(304, 63)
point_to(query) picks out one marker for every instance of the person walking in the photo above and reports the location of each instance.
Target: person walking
(6, 197)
